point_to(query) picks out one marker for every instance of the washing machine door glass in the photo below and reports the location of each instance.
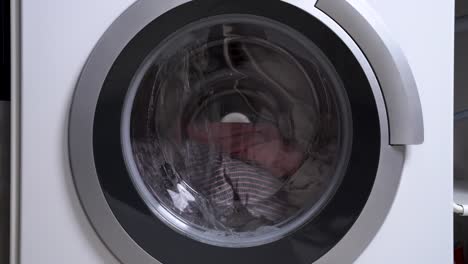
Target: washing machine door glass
(236, 130)
(225, 131)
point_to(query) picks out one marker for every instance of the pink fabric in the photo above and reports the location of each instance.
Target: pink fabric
(260, 144)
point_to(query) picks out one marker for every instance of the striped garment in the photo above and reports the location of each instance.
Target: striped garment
(225, 181)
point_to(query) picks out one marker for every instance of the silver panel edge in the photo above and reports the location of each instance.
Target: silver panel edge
(15, 29)
(390, 65)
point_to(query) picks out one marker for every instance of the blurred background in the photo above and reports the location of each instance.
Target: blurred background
(461, 126)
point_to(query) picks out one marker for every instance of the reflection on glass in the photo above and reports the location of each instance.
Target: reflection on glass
(237, 131)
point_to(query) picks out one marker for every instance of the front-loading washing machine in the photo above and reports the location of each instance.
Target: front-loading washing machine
(218, 131)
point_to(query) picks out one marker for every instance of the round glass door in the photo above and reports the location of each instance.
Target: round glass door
(232, 131)
(236, 130)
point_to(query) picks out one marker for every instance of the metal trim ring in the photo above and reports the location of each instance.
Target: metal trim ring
(81, 121)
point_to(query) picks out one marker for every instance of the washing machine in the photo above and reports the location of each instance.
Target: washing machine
(218, 131)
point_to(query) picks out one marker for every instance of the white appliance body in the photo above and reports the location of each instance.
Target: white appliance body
(57, 37)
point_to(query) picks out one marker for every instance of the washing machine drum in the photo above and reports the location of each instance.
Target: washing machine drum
(231, 136)
(237, 134)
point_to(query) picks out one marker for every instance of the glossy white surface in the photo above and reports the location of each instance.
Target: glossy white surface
(419, 226)
(57, 38)
(58, 35)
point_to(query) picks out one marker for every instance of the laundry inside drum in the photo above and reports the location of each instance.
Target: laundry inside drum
(239, 131)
